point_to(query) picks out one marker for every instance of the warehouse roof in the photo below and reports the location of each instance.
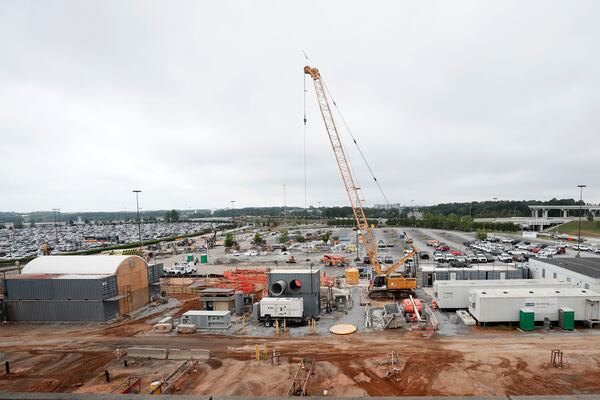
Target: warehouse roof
(60, 276)
(585, 266)
(95, 265)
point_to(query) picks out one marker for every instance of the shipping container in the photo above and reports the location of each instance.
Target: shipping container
(503, 305)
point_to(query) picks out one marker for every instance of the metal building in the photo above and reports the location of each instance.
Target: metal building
(304, 283)
(77, 288)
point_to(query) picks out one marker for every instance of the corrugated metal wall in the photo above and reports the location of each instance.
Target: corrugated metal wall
(155, 271)
(310, 293)
(64, 311)
(61, 289)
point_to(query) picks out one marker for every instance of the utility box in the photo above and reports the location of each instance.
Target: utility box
(526, 319)
(566, 318)
(207, 319)
(281, 307)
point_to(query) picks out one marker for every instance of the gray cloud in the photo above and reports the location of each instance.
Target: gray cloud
(199, 103)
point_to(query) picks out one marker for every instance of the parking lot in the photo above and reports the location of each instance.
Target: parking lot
(25, 242)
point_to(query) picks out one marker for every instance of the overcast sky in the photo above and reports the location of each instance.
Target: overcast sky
(199, 103)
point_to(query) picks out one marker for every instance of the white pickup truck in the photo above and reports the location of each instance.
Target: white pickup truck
(181, 268)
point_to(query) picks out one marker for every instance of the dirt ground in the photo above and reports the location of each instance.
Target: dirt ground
(72, 358)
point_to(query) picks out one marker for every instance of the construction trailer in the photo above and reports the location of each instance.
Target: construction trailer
(204, 319)
(455, 294)
(504, 305)
(430, 273)
(581, 272)
(77, 288)
(297, 283)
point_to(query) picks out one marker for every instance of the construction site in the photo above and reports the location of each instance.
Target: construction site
(331, 311)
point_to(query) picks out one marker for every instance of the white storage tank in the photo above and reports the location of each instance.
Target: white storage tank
(503, 305)
(455, 294)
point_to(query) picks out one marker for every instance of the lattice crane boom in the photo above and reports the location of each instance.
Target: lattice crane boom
(352, 189)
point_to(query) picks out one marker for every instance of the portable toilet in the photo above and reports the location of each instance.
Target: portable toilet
(526, 319)
(566, 318)
(203, 258)
(190, 258)
(352, 276)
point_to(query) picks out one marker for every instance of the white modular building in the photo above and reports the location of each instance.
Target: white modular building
(503, 305)
(581, 272)
(455, 294)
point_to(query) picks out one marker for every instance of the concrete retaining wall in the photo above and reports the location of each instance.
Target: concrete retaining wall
(196, 354)
(147, 352)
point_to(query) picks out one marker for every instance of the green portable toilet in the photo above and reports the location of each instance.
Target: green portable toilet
(566, 318)
(203, 258)
(190, 258)
(526, 319)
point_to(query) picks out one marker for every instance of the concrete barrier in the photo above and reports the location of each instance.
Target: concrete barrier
(186, 328)
(196, 354)
(147, 352)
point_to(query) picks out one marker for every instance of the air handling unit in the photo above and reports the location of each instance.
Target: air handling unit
(297, 283)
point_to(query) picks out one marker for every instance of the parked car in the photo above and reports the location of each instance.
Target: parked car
(450, 257)
(505, 258)
(438, 257)
(472, 258)
(423, 255)
(583, 247)
(388, 259)
(459, 262)
(443, 248)
(482, 258)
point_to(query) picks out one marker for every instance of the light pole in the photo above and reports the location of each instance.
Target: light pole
(494, 233)
(580, 201)
(56, 221)
(233, 217)
(137, 204)
(284, 207)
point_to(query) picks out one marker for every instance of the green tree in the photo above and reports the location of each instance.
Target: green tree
(481, 234)
(299, 239)
(590, 217)
(229, 241)
(284, 236)
(325, 237)
(258, 240)
(174, 216)
(18, 224)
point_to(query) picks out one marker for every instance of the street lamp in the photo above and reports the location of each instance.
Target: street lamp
(580, 201)
(233, 217)
(137, 204)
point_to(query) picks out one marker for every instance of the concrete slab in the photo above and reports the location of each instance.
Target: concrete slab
(147, 352)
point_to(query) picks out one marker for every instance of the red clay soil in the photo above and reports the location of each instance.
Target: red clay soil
(62, 358)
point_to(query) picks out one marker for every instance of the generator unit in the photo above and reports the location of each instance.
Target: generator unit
(297, 283)
(281, 308)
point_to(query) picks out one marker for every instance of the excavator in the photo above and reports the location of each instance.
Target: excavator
(388, 283)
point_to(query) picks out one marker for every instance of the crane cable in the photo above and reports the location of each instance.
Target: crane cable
(356, 143)
(305, 143)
